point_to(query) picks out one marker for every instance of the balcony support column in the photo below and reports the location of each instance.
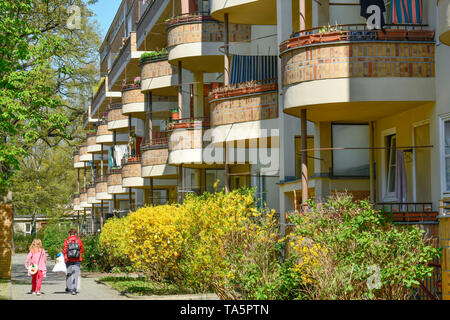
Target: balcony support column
(180, 89)
(92, 218)
(180, 184)
(93, 169)
(151, 192)
(101, 162)
(102, 219)
(114, 147)
(226, 75)
(115, 204)
(372, 165)
(78, 180)
(84, 176)
(302, 14)
(130, 198)
(304, 137)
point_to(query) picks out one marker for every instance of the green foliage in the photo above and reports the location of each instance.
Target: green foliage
(53, 235)
(355, 237)
(148, 56)
(22, 242)
(93, 257)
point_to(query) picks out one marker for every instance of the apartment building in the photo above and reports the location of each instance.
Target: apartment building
(298, 98)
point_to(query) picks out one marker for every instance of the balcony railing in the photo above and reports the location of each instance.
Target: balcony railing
(358, 32)
(159, 139)
(408, 211)
(189, 123)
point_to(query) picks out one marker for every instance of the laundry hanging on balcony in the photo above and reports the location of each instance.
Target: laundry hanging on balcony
(252, 68)
(406, 11)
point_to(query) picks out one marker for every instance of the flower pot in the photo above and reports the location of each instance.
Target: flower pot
(331, 36)
(392, 34)
(421, 35)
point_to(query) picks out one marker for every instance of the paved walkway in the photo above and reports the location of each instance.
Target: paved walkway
(53, 287)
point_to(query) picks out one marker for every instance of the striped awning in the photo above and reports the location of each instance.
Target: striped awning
(406, 11)
(248, 68)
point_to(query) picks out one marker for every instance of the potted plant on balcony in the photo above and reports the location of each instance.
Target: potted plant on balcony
(392, 34)
(421, 35)
(137, 82)
(328, 34)
(174, 114)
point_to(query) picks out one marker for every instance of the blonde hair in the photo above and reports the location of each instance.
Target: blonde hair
(36, 245)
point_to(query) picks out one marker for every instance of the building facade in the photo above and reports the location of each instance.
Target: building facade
(297, 98)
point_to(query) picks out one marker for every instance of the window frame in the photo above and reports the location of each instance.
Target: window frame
(386, 195)
(332, 151)
(442, 120)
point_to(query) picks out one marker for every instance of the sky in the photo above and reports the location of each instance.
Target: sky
(105, 11)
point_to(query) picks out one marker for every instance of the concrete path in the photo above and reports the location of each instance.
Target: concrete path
(53, 287)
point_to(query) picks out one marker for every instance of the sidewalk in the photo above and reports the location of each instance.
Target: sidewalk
(54, 285)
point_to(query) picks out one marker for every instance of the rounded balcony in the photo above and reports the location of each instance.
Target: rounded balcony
(155, 157)
(91, 194)
(92, 145)
(245, 111)
(198, 40)
(117, 121)
(86, 157)
(77, 163)
(76, 203)
(356, 74)
(187, 145)
(159, 76)
(133, 101)
(131, 174)
(256, 12)
(114, 182)
(106, 137)
(444, 21)
(101, 189)
(84, 199)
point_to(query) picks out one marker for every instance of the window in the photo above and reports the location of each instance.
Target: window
(391, 160)
(351, 162)
(28, 228)
(447, 154)
(212, 176)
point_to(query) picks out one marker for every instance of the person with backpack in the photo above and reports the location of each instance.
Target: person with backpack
(73, 248)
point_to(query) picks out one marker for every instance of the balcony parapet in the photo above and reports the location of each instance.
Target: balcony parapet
(189, 123)
(157, 73)
(250, 101)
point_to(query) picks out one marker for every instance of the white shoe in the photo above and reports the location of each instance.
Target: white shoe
(38, 293)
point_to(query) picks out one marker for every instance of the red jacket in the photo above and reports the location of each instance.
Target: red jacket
(66, 243)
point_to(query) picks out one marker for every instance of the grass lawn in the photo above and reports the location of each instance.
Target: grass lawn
(4, 292)
(141, 286)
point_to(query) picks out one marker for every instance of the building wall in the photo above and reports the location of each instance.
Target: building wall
(5, 241)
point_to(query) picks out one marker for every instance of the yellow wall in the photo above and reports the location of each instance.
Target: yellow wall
(403, 124)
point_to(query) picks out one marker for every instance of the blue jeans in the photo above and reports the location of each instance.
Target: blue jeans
(73, 271)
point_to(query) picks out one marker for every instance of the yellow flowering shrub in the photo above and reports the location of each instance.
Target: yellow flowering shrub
(112, 242)
(153, 240)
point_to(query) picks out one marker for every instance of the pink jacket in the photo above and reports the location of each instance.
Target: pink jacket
(33, 257)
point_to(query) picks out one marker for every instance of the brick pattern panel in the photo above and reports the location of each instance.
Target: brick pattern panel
(101, 187)
(83, 197)
(132, 96)
(91, 192)
(5, 241)
(83, 150)
(131, 170)
(76, 158)
(115, 179)
(76, 201)
(157, 69)
(103, 130)
(206, 32)
(185, 139)
(116, 114)
(155, 157)
(244, 108)
(368, 60)
(91, 141)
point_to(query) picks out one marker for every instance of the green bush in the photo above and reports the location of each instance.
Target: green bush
(22, 242)
(358, 252)
(94, 259)
(53, 235)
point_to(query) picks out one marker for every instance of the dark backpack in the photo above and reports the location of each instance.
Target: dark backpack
(73, 249)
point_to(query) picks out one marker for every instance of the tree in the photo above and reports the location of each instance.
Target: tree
(46, 74)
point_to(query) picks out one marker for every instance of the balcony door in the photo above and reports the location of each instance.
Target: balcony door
(422, 163)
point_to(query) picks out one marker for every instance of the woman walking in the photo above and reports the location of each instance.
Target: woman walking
(36, 265)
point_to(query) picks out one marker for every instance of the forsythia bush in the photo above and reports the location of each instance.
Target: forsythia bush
(154, 240)
(113, 242)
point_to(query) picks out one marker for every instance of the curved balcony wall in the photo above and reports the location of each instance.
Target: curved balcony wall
(101, 189)
(131, 174)
(247, 111)
(76, 203)
(444, 21)
(92, 145)
(197, 41)
(84, 200)
(87, 157)
(159, 76)
(114, 182)
(119, 122)
(186, 143)
(133, 101)
(105, 136)
(77, 163)
(155, 159)
(256, 12)
(348, 72)
(91, 194)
